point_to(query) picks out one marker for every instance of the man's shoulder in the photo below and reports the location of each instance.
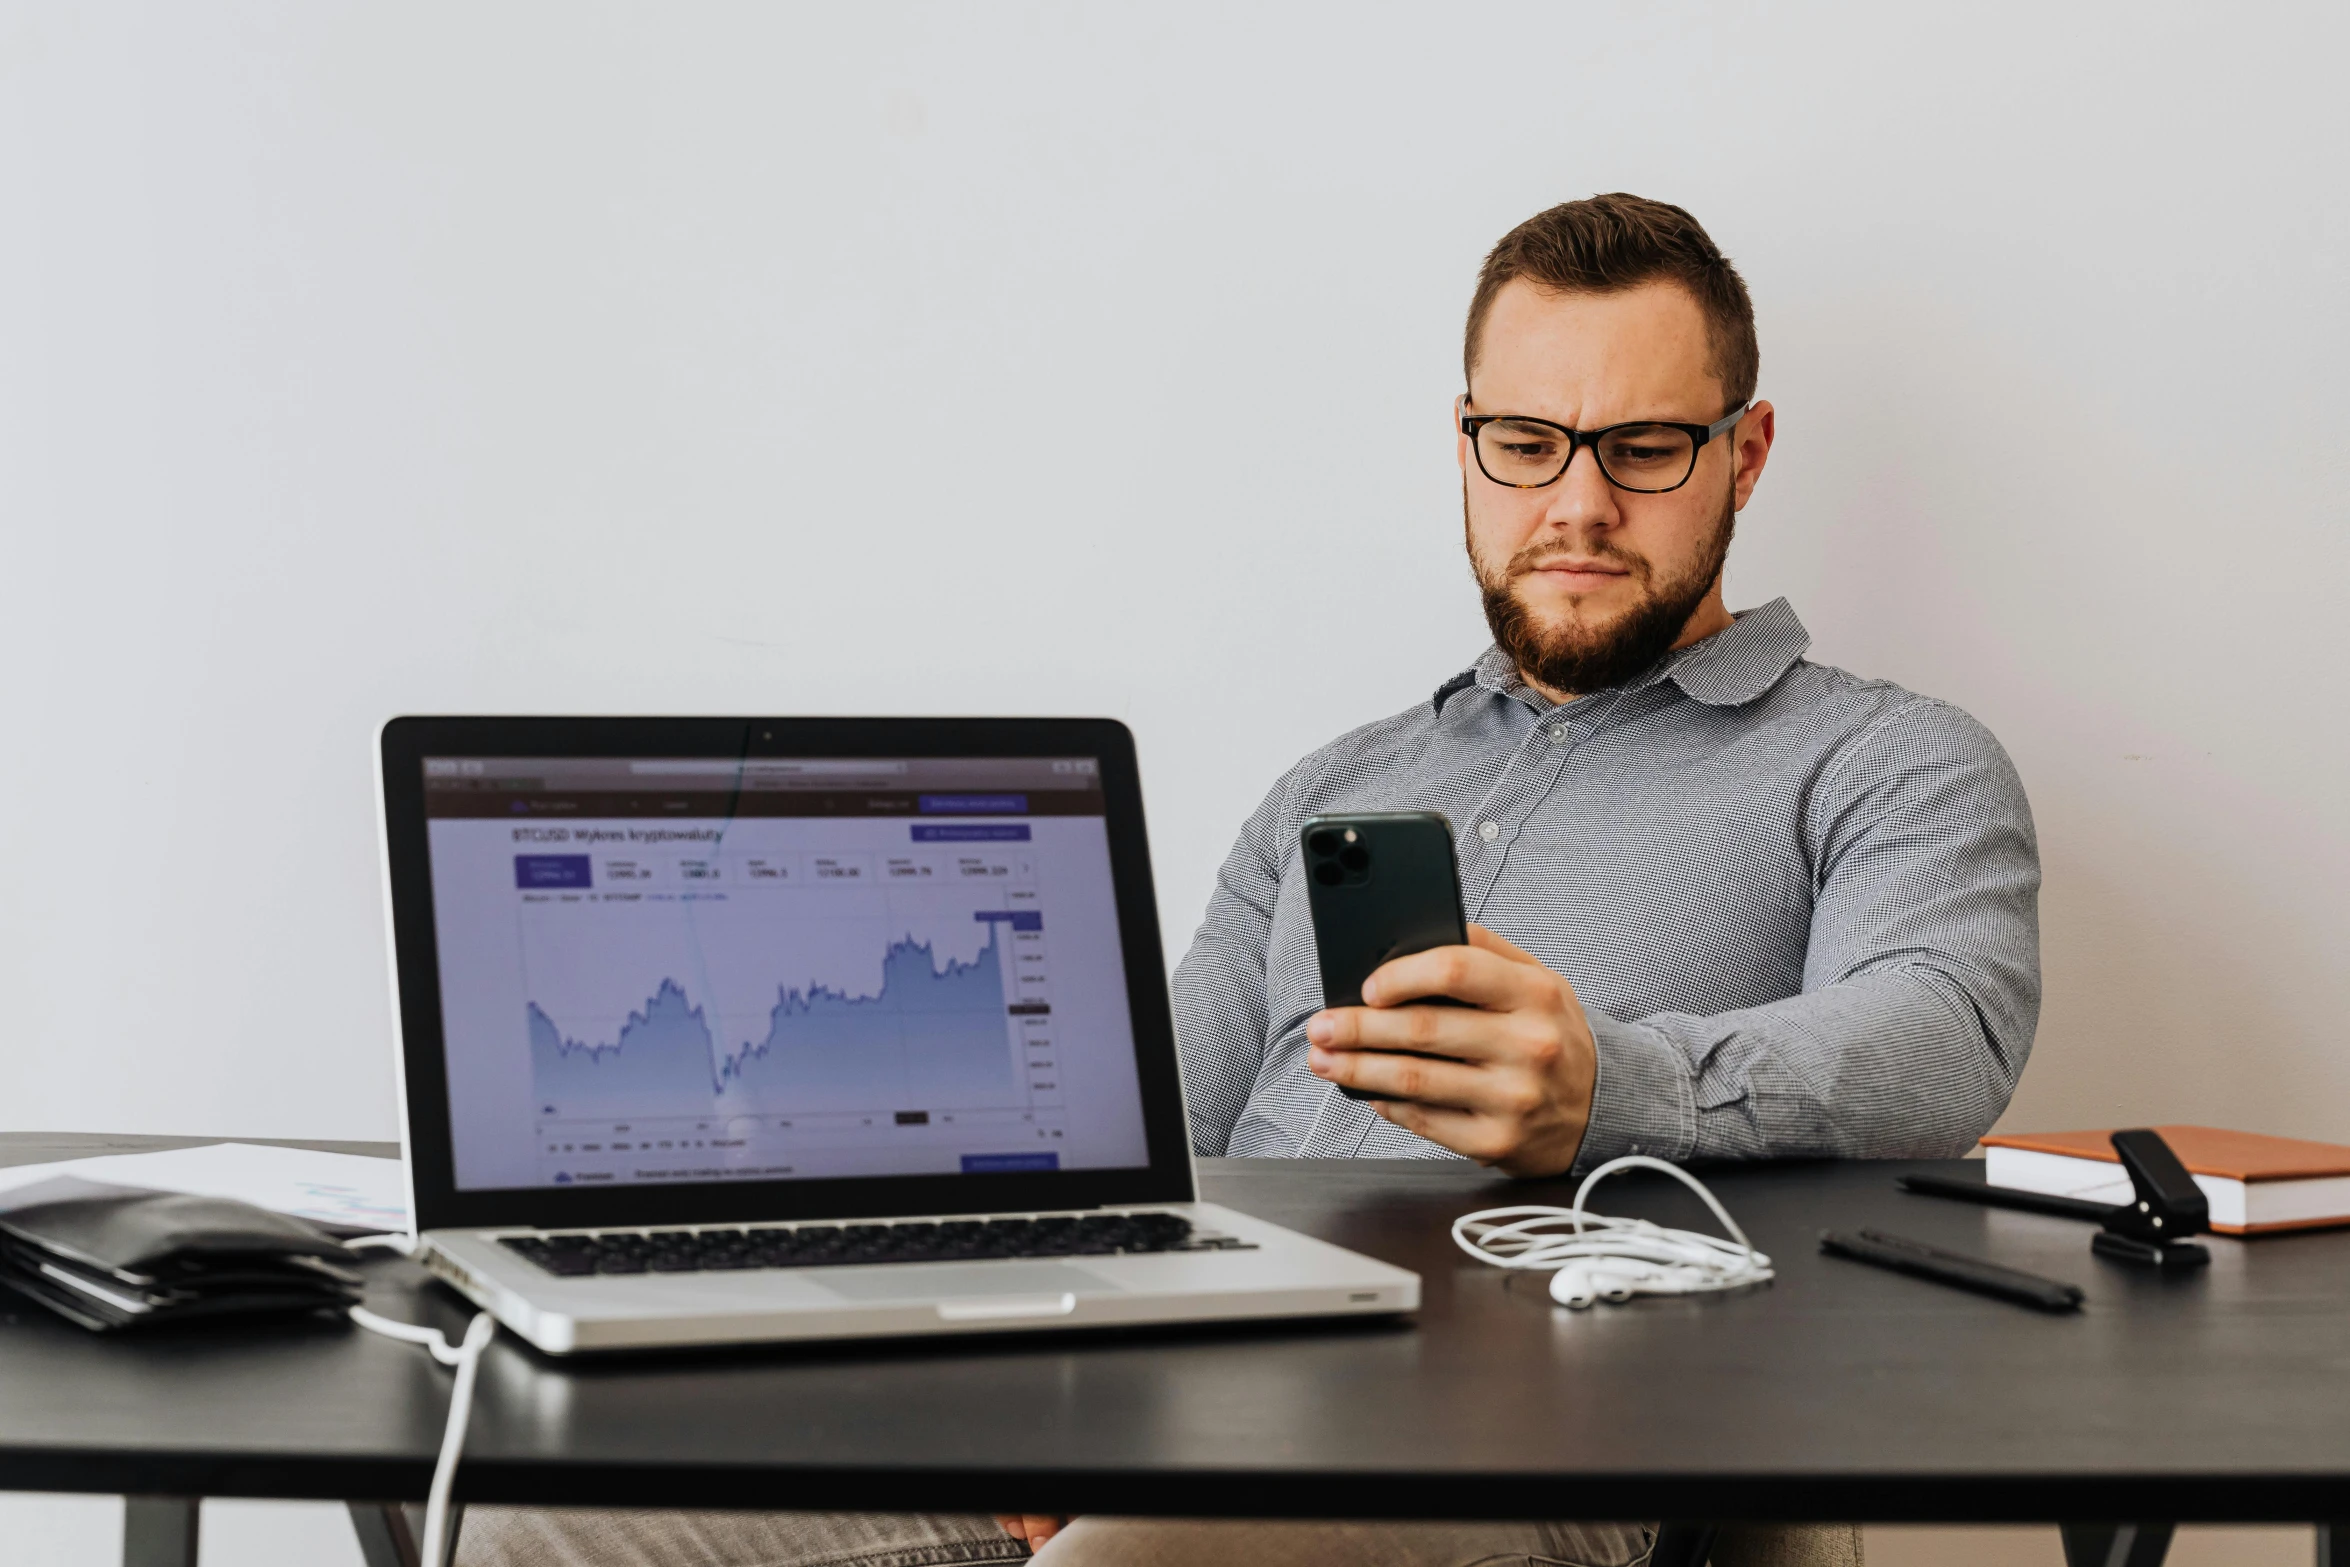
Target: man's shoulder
(1381, 765)
(1856, 721)
(1367, 751)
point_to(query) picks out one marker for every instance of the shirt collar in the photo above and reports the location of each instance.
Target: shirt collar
(1728, 669)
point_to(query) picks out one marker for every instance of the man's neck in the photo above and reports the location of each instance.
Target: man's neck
(1710, 616)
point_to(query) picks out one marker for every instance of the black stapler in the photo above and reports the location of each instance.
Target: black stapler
(2155, 1228)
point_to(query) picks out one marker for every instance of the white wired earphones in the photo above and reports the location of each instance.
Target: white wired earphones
(1599, 1258)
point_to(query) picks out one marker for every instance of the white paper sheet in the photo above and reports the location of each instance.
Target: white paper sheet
(346, 1191)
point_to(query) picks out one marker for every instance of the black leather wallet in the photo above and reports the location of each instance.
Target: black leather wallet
(112, 1257)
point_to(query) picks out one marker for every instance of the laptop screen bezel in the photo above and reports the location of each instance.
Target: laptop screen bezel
(440, 1204)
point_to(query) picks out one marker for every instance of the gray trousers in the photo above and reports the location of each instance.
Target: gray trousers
(532, 1537)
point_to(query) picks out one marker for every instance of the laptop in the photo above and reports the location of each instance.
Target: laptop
(745, 1030)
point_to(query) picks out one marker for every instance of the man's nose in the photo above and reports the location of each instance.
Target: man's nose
(1581, 499)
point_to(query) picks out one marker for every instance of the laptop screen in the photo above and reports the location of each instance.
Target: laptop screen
(693, 969)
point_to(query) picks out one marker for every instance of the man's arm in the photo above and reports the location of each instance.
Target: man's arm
(1219, 987)
(1921, 986)
(1922, 989)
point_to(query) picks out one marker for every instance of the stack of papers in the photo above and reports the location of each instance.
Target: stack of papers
(347, 1193)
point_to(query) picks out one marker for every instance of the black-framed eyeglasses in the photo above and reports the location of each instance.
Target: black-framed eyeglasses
(1648, 456)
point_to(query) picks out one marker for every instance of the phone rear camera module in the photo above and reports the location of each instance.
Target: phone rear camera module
(1329, 874)
(1324, 843)
(1355, 857)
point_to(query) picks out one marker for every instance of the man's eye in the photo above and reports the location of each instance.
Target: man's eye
(1651, 451)
(1529, 451)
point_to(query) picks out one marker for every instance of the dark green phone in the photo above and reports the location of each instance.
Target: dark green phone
(1379, 884)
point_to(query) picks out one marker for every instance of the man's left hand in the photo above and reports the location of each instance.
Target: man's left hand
(1513, 1086)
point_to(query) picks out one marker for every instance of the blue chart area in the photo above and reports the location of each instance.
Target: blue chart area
(931, 1037)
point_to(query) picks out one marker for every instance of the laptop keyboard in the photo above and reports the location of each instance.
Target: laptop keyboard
(837, 1245)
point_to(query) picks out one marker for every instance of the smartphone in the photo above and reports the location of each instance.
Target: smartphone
(1379, 884)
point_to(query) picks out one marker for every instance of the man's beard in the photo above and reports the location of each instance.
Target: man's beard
(1578, 658)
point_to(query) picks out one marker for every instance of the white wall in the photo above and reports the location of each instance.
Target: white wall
(365, 359)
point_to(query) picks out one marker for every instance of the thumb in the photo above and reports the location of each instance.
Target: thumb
(1486, 941)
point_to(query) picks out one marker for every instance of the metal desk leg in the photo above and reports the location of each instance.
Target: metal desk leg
(2115, 1544)
(385, 1540)
(2333, 1544)
(159, 1531)
(1686, 1545)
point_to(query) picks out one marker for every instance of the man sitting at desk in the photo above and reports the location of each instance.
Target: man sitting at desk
(1729, 903)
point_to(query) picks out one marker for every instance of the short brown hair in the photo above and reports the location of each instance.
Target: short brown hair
(1605, 244)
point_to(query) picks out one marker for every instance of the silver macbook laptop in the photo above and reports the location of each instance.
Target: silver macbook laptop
(736, 1030)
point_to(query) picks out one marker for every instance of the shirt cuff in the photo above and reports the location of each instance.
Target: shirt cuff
(1643, 1101)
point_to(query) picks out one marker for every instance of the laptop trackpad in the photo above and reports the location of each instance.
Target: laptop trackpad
(960, 1281)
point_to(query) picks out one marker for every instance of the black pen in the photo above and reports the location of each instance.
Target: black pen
(1977, 1190)
(1920, 1260)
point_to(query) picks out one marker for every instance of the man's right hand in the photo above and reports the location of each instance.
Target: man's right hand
(1032, 1529)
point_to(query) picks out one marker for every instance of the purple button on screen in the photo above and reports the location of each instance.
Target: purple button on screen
(987, 1163)
(551, 870)
(971, 832)
(974, 804)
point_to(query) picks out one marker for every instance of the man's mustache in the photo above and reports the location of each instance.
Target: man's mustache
(1535, 557)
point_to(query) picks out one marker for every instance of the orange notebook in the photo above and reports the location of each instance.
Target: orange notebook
(2253, 1182)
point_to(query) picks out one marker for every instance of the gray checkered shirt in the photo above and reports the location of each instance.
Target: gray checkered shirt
(1800, 908)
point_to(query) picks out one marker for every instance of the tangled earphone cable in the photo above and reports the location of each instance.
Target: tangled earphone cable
(1599, 1258)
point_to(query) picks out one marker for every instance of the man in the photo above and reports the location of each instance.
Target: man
(1727, 902)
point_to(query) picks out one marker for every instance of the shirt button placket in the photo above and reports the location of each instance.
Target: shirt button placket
(1510, 803)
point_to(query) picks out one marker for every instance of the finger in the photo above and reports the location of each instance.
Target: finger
(1474, 1136)
(1042, 1527)
(1425, 1079)
(1464, 1033)
(1502, 947)
(1471, 974)
(1486, 941)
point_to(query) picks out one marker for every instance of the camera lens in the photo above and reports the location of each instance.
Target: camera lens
(1324, 843)
(1355, 857)
(1328, 874)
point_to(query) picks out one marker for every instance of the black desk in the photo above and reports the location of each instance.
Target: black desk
(1838, 1393)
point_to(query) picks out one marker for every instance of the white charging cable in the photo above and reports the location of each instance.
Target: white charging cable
(1599, 1258)
(465, 1355)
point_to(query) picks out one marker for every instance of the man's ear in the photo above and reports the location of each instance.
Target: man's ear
(1751, 449)
(1460, 442)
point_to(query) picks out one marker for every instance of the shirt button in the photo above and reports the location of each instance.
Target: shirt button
(1635, 1147)
(1558, 734)
(1488, 831)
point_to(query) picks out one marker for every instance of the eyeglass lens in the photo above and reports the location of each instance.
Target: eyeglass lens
(1635, 456)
